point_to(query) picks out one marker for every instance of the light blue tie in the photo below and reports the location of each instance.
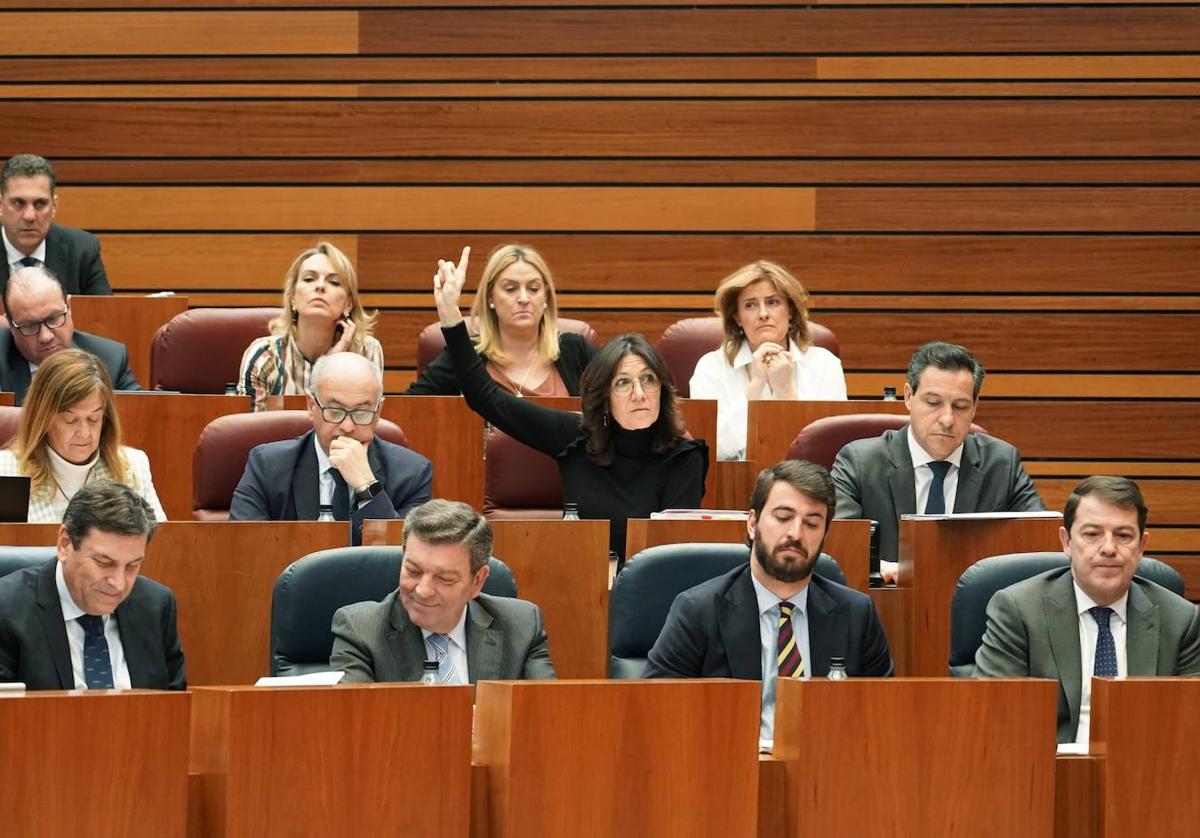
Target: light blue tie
(1106, 649)
(936, 504)
(97, 666)
(439, 645)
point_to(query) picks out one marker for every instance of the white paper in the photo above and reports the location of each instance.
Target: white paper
(983, 516)
(311, 679)
(1068, 748)
(12, 687)
(700, 515)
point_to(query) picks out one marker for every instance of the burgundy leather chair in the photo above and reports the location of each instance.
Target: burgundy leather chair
(224, 446)
(685, 341)
(430, 342)
(821, 440)
(201, 350)
(519, 482)
(10, 420)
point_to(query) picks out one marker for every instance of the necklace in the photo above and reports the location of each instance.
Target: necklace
(521, 386)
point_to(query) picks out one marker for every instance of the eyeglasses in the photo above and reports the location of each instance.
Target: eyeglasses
(52, 322)
(650, 382)
(336, 415)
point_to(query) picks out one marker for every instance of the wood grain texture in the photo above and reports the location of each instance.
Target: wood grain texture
(1078, 797)
(128, 320)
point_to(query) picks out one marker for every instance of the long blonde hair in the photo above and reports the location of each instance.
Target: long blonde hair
(364, 323)
(62, 381)
(725, 302)
(491, 345)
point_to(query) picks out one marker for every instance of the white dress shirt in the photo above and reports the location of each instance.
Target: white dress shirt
(1088, 632)
(116, 652)
(923, 474)
(15, 256)
(818, 374)
(768, 631)
(456, 649)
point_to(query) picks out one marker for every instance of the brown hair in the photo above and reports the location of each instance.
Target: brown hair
(1120, 492)
(725, 302)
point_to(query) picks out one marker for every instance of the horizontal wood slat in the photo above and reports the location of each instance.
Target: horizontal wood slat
(1171, 502)
(654, 128)
(471, 4)
(1127, 430)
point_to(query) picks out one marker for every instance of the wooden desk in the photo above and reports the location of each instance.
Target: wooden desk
(94, 763)
(1146, 729)
(128, 320)
(848, 541)
(450, 434)
(933, 554)
(347, 760)
(885, 757)
(612, 758)
(771, 426)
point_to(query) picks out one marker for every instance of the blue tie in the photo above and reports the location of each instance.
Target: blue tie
(1106, 649)
(97, 667)
(439, 644)
(341, 496)
(936, 504)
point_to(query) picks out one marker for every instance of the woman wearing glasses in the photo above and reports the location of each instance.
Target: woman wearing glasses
(627, 455)
(70, 434)
(322, 314)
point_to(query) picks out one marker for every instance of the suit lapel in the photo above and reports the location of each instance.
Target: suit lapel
(970, 478)
(306, 491)
(901, 480)
(135, 641)
(1141, 633)
(738, 624)
(485, 649)
(19, 369)
(50, 613)
(826, 629)
(56, 254)
(406, 645)
(1062, 626)
(378, 467)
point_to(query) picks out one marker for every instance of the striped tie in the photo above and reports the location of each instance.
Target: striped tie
(439, 645)
(791, 665)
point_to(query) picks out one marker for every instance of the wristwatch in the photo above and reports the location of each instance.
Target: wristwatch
(369, 491)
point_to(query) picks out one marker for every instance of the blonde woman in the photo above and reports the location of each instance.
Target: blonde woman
(70, 434)
(516, 314)
(322, 314)
(767, 352)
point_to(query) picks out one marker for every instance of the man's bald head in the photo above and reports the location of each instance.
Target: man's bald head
(344, 381)
(35, 302)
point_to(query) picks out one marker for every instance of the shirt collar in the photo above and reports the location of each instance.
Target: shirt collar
(70, 610)
(921, 457)
(768, 600)
(14, 255)
(1084, 603)
(744, 355)
(322, 458)
(458, 634)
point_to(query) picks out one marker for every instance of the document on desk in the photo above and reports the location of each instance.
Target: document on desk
(1073, 748)
(983, 516)
(8, 688)
(310, 679)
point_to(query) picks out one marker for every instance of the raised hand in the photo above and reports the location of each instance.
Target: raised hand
(346, 329)
(448, 284)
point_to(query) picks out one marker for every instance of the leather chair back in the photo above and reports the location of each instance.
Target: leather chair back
(821, 440)
(685, 341)
(980, 582)
(200, 351)
(430, 342)
(224, 446)
(10, 421)
(519, 482)
(13, 559)
(642, 594)
(310, 590)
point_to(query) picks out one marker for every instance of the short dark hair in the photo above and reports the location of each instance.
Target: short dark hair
(944, 356)
(1115, 491)
(441, 521)
(803, 476)
(109, 507)
(595, 388)
(27, 165)
(40, 269)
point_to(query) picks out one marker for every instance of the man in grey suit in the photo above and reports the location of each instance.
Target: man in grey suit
(1094, 617)
(438, 613)
(28, 204)
(934, 464)
(39, 324)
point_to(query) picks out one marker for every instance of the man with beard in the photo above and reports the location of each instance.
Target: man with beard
(771, 618)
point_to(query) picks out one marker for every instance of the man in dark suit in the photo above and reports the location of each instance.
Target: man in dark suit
(87, 619)
(934, 464)
(774, 618)
(438, 613)
(39, 324)
(339, 463)
(28, 204)
(1094, 617)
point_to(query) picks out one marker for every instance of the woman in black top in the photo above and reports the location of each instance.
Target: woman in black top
(627, 455)
(516, 314)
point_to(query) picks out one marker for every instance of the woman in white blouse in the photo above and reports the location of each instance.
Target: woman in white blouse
(767, 352)
(69, 435)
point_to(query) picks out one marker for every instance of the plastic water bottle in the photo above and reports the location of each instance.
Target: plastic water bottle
(570, 511)
(889, 394)
(325, 512)
(429, 673)
(837, 669)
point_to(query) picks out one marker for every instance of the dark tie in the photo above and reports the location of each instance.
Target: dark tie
(936, 505)
(341, 496)
(1106, 649)
(791, 665)
(31, 262)
(97, 667)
